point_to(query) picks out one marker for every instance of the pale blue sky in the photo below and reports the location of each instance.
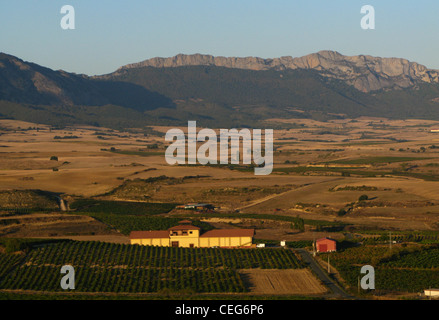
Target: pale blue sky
(112, 33)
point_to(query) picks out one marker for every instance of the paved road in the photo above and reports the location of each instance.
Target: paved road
(317, 269)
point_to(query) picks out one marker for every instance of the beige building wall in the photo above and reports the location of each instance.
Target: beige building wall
(185, 241)
(225, 241)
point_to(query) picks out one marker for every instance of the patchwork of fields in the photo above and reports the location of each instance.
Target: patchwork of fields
(353, 180)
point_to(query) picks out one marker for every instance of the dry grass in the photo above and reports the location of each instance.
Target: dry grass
(55, 226)
(86, 170)
(296, 281)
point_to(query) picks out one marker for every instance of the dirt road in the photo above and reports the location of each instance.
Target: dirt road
(315, 267)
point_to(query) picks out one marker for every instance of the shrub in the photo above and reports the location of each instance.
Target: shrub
(12, 245)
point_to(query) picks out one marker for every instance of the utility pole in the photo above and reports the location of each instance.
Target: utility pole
(329, 266)
(314, 245)
(390, 240)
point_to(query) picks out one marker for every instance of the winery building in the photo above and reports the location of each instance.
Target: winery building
(186, 235)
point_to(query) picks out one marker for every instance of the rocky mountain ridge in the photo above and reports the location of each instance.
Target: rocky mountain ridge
(366, 73)
(220, 92)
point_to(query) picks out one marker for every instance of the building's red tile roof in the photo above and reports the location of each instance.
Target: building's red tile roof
(149, 234)
(184, 227)
(228, 233)
(323, 239)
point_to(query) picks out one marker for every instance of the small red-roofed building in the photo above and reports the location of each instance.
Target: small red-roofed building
(326, 245)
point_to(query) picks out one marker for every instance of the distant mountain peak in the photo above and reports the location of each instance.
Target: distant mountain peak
(366, 73)
(228, 92)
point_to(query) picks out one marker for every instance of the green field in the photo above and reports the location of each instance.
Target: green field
(139, 153)
(372, 160)
(127, 223)
(294, 220)
(363, 143)
(408, 270)
(357, 171)
(158, 296)
(122, 207)
(117, 268)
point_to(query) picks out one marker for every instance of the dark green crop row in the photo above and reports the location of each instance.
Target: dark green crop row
(121, 207)
(107, 267)
(131, 280)
(410, 269)
(111, 255)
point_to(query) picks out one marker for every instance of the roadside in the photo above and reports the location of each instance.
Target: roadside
(321, 274)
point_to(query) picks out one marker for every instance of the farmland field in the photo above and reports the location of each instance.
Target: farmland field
(104, 267)
(121, 207)
(283, 282)
(345, 179)
(371, 160)
(410, 269)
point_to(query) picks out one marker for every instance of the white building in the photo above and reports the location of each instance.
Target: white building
(434, 293)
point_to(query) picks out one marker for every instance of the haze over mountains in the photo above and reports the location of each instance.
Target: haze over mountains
(219, 91)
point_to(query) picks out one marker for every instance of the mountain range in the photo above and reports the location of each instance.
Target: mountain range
(220, 91)
(366, 73)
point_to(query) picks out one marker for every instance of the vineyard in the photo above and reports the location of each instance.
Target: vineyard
(426, 259)
(426, 238)
(105, 267)
(320, 225)
(127, 223)
(7, 262)
(132, 216)
(402, 269)
(121, 207)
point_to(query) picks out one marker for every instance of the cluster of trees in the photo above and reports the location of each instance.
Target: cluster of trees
(65, 137)
(121, 207)
(298, 224)
(343, 211)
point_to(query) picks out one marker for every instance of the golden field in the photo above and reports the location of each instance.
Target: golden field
(310, 157)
